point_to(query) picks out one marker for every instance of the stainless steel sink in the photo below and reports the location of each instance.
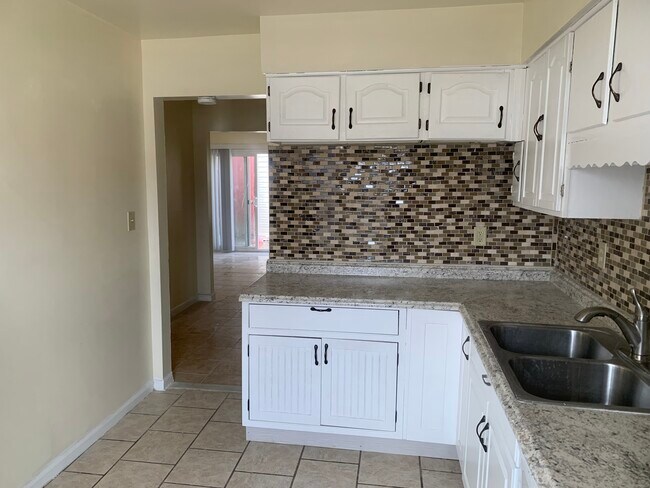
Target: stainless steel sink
(577, 366)
(549, 341)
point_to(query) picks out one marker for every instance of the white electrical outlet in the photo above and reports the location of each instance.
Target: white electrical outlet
(480, 235)
(602, 255)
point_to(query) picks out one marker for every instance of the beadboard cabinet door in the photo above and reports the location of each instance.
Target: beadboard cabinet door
(468, 105)
(382, 106)
(285, 379)
(304, 108)
(433, 376)
(592, 64)
(359, 384)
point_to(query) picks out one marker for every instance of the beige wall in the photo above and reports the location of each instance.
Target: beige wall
(73, 282)
(543, 18)
(179, 150)
(221, 65)
(392, 39)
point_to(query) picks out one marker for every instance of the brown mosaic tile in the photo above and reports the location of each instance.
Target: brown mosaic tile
(628, 257)
(403, 203)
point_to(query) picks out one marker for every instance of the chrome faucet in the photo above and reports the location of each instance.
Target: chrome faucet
(636, 333)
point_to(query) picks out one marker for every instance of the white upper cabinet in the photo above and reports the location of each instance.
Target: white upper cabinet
(381, 106)
(468, 105)
(303, 108)
(592, 64)
(359, 384)
(630, 78)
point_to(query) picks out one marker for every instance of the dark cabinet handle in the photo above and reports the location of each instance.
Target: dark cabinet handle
(316, 354)
(600, 78)
(617, 96)
(514, 170)
(480, 437)
(333, 122)
(350, 124)
(536, 130)
(484, 377)
(483, 419)
(326, 347)
(500, 124)
(462, 348)
(314, 309)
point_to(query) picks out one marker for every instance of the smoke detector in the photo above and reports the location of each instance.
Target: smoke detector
(207, 100)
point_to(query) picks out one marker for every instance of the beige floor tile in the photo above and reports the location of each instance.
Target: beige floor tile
(201, 399)
(436, 479)
(445, 465)
(222, 436)
(156, 403)
(223, 378)
(194, 365)
(127, 474)
(204, 468)
(319, 474)
(131, 427)
(252, 480)
(100, 457)
(236, 396)
(261, 457)
(336, 455)
(74, 480)
(229, 411)
(189, 378)
(390, 470)
(184, 420)
(160, 447)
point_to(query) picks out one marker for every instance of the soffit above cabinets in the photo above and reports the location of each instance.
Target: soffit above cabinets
(160, 19)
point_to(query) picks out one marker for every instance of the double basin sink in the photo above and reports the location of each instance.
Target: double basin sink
(583, 367)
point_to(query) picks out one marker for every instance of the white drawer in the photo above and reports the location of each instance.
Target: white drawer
(324, 318)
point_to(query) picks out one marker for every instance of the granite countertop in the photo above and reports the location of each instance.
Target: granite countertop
(564, 447)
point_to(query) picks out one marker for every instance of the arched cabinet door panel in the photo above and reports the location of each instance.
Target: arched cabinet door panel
(381, 106)
(468, 105)
(303, 108)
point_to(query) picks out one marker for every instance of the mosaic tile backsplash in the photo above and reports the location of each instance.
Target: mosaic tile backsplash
(628, 257)
(402, 203)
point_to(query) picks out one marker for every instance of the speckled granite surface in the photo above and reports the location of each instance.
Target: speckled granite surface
(564, 447)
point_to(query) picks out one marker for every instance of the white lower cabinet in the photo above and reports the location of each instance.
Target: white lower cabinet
(359, 384)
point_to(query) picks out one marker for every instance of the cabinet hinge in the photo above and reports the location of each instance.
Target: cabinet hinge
(562, 190)
(395, 416)
(419, 124)
(268, 90)
(269, 126)
(571, 67)
(426, 125)
(420, 87)
(429, 88)
(398, 359)
(248, 350)
(248, 405)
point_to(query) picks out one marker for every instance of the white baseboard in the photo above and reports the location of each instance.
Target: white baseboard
(161, 384)
(184, 306)
(206, 297)
(72, 452)
(361, 443)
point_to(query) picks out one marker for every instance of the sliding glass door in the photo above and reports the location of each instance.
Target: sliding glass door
(250, 194)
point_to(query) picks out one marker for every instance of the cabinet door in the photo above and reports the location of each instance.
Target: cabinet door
(517, 161)
(536, 98)
(285, 379)
(632, 81)
(382, 106)
(501, 471)
(359, 384)
(473, 468)
(431, 409)
(527, 480)
(592, 63)
(304, 108)
(463, 354)
(551, 166)
(468, 105)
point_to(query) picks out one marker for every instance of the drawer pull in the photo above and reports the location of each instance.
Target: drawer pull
(484, 377)
(314, 309)
(462, 348)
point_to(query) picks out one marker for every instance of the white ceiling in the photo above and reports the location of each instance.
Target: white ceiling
(158, 19)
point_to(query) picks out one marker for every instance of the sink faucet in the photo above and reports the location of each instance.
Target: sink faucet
(636, 333)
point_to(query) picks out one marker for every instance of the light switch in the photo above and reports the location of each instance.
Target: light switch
(130, 220)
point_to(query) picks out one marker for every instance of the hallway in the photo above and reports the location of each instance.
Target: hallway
(206, 338)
